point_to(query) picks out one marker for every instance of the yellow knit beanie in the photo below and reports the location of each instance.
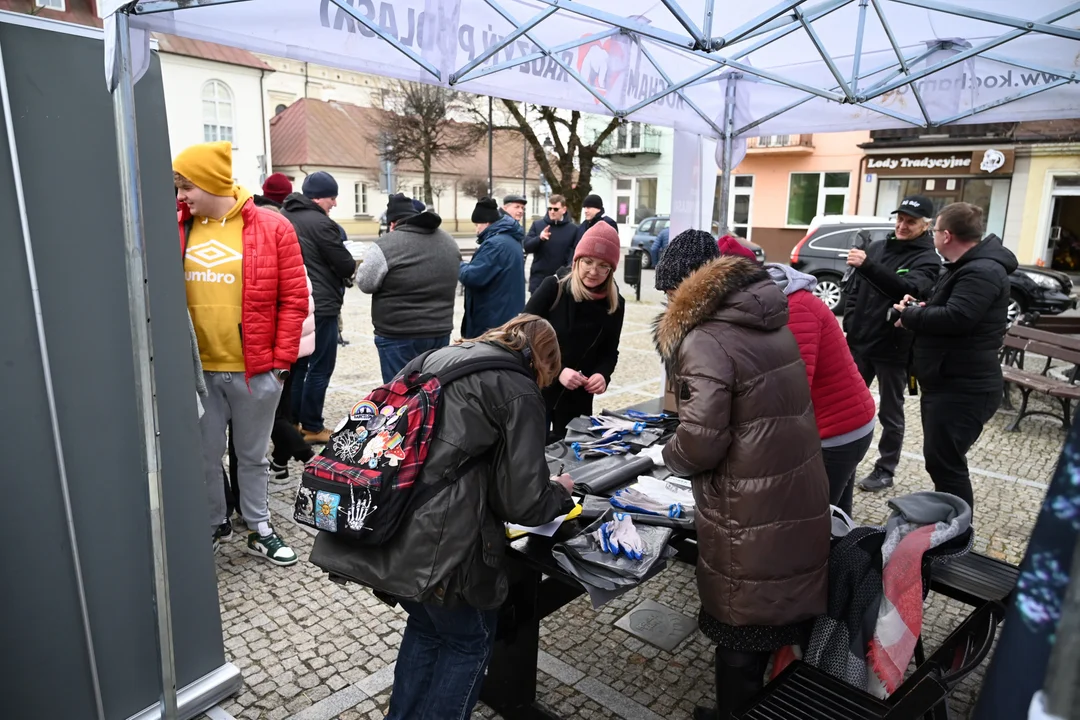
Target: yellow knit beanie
(208, 166)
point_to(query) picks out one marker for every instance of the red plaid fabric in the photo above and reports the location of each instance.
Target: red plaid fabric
(422, 405)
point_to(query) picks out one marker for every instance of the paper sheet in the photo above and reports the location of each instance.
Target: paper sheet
(546, 530)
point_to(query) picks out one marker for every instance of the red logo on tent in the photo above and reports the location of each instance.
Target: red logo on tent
(601, 62)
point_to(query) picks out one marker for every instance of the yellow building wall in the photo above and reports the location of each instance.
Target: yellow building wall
(1034, 226)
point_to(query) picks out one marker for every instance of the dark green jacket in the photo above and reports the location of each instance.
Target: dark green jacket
(451, 551)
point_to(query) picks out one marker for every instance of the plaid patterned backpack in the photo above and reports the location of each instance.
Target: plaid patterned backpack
(364, 481)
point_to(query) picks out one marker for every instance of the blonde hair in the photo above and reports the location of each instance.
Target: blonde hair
(536, 334)
(580, 293)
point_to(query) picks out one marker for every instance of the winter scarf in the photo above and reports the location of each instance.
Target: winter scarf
(920, 521)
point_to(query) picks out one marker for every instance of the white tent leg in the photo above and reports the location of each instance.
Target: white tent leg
(728, 140)
(127, 149)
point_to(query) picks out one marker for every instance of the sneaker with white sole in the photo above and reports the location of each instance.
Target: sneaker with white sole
(271, 547)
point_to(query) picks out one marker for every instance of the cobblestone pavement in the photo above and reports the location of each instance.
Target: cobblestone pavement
(314, 650)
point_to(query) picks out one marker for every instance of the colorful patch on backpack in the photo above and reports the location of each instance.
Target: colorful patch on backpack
(326, 508)
(359, 511)
(347, 445)
(363, 411)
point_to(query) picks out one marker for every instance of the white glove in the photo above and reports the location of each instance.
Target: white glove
(625, 536)
(610, 425)
(654, 453)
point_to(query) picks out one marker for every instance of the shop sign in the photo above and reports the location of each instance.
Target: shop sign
(979, 162)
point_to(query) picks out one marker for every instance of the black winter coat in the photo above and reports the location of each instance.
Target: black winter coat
(892, 269)
(329, 263)
(551, 254)
(586, 224)
(588, 340)
(959, 332)
(451, 550)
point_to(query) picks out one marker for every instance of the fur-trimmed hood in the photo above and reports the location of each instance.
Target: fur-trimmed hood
(730, 289)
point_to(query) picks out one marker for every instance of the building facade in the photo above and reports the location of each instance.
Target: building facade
(1025, 177)
(785, 181)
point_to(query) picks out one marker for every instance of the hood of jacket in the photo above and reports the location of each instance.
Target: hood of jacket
(505, 225)
(729, 288)
(426, 221)
(298, 201)
(990, 248)
(789, 279)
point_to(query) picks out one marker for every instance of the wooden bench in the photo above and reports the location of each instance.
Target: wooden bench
(1062, 324)
(803, 692)
(1021, 340)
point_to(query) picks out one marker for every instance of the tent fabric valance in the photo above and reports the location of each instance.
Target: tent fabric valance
(798, 66)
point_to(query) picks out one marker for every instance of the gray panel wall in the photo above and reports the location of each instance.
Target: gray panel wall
(66, 142)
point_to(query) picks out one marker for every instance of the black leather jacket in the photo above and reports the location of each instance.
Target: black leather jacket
(451, 550)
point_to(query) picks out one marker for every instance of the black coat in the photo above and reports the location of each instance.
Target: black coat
(588, 340)
(586, 224)
(329, 263)
(551, 254)
(892, 269)
(959, 332)
(452, 550)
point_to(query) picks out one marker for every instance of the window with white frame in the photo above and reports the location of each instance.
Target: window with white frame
(418, 192)
(360, 198)
(742, 202)
(51, 4)
(217, 103)
(811, 194)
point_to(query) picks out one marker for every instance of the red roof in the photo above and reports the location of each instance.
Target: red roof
(336, 134)
(209, 51)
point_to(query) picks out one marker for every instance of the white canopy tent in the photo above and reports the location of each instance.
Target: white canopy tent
(712, 69)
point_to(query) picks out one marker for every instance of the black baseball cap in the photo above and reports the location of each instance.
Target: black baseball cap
(916, 206)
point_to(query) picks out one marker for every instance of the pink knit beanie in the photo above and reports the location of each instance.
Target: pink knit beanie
(601, 241)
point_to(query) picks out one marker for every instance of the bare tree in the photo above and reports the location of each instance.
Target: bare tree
(568, 165)
(414, 125)
(474, 187)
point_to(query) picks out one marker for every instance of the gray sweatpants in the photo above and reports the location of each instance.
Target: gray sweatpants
(251, 408)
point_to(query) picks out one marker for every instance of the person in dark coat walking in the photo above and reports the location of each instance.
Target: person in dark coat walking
(551, 241)
(584, 306)
(494, 279)
(958, 332)
(329, 263)
(904, 263)
(592, 207)
(748, 441)
(446, 562)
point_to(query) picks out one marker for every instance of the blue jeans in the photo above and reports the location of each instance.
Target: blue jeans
(441, 663)
(396, 353)
(311, 375)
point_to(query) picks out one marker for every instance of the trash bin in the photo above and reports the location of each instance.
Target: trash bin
(632, 267)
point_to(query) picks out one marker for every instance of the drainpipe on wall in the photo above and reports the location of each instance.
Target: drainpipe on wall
(860, 182)
(267, 167)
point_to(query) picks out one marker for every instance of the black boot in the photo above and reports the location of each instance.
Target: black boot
(739, 677)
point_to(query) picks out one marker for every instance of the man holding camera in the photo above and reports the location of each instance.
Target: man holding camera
(958, 333)
(903, 264)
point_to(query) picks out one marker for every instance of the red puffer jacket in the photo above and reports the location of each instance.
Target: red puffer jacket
(275, 294)
(842, 402)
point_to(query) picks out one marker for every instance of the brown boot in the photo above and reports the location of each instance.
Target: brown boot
(317, 438)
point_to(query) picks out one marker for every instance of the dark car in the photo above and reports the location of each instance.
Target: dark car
(823, 254)
(650, 227)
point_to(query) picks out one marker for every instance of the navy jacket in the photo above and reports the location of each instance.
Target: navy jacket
(494, 279)
(551, 254)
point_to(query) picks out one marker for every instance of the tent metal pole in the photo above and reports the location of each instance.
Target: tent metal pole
(729, 141)
(758, 25)
(905, 68)
(706, 24)
(461, 76)
(857, 59)
(881, 89)
(378, 30)
(494, 49)
(820, 47)
(149, 7)
(50, 394)
(675, 9)
(656, 66)
(127, 146)
(491, 149)
(1006, 100)
(996, 18)
(1034, 67)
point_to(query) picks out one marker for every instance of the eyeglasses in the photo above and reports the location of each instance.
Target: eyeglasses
(554, 209)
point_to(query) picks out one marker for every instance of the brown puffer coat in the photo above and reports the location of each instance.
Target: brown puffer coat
(748, 439)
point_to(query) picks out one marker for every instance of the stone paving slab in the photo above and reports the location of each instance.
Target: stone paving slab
(314, 650)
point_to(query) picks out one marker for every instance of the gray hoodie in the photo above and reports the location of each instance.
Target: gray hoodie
(789, 279)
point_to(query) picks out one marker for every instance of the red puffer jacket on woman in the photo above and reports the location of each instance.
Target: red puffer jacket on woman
(275, 290)
(842, 402)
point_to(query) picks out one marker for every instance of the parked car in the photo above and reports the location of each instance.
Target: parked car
(823, 254)
(650, 227)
